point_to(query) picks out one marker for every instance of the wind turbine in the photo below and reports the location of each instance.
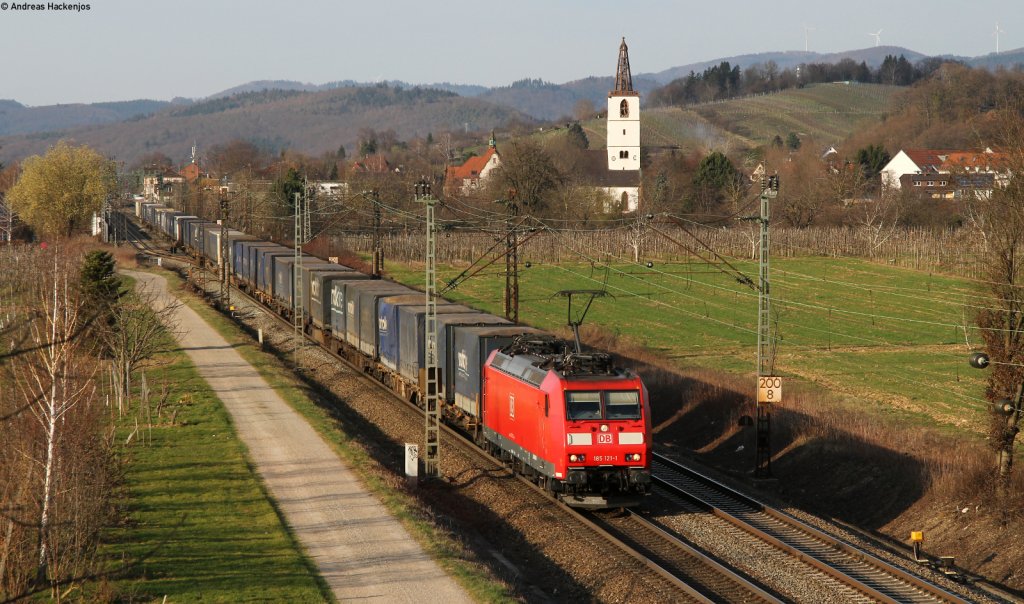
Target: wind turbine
(878, 37)
(807, 30)
(996, 34)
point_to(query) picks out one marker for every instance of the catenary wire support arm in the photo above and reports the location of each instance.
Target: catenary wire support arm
(476, 267)
(731, 270)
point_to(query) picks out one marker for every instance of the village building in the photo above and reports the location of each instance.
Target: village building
(371, 164)
(946, 173)
(470, 176)
(159, 185)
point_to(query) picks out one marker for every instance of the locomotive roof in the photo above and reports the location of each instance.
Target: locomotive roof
(531, 356)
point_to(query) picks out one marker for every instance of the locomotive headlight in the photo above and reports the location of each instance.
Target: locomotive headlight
(632, 457)
(577, 458)
(604, 427)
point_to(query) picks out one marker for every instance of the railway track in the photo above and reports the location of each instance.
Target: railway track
(688, 574)
(868, 575)
(710, 578)
(675, 588)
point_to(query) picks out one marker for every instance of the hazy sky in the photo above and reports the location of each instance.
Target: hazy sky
(127, 49)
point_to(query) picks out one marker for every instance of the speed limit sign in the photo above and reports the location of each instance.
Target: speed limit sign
(769, 389)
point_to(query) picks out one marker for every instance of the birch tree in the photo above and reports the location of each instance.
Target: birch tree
(53, 380)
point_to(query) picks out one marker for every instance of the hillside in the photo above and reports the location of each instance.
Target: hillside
(311, 122)
(827, 113)
(873, 56)
(544, 100)
(16, 118)
(261, 85)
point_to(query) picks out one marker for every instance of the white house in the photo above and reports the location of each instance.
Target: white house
(471, 175)
(946, 173)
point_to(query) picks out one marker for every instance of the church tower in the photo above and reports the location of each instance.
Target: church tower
(623, 118)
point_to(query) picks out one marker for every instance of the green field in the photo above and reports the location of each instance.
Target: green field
(885, 335)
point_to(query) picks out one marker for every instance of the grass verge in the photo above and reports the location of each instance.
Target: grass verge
(199, 525)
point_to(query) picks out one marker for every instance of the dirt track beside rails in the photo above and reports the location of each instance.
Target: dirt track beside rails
(361, 551)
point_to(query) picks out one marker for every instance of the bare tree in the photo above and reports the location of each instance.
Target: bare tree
(52, 380)
(139, 330)
(1001, 216)
(878, 219)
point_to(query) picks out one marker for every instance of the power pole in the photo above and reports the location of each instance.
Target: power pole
(431, 415)
(225, 251)
(511, 261)
(763, 463)
(378, 248)
(301, 233)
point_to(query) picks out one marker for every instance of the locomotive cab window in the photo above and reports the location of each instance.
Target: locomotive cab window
(622, 405)
(608, 405)
(583, 405)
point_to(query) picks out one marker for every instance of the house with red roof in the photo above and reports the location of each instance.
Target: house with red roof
(464, 179)
(946, 173)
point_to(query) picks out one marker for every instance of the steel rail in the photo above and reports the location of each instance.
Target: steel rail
(845, 563)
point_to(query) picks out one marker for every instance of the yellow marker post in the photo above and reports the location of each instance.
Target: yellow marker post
(917, 538)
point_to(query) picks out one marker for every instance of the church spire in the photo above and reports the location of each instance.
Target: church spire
(623, 78)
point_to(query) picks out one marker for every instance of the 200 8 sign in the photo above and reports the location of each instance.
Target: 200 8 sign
(769, 389)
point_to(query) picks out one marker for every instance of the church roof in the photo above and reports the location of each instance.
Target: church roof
(623, 77)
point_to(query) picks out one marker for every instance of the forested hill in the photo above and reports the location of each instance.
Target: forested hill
(311, 122)
(545, 100)
(16, 118)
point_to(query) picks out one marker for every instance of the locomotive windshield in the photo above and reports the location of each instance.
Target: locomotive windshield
(607, 405)
(622, 405)
(583, 405)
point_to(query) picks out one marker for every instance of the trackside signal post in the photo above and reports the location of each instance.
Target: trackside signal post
(769, 387)
(431, 415)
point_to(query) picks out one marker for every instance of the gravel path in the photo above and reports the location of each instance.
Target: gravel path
(360, 550)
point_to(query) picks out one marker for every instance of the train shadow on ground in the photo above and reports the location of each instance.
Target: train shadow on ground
(829, 470)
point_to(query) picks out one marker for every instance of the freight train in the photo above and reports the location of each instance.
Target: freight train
(573, 422)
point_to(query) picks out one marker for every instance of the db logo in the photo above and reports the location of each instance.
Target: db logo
(604, 439)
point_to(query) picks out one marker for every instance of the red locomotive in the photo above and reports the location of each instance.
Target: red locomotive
(580, 426)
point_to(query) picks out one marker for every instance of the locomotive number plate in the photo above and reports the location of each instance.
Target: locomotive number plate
(605, 458)
(769, 389)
